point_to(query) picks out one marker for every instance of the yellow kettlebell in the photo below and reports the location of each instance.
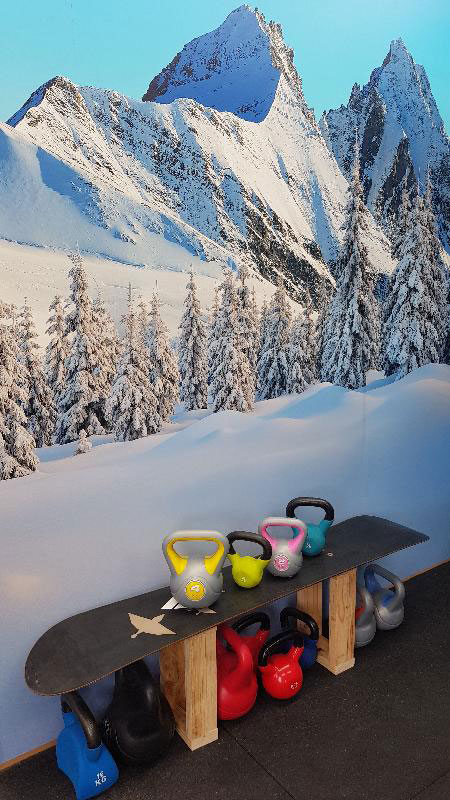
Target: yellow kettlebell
(247, 571)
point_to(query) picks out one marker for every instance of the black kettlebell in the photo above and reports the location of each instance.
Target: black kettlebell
(309, 654)
(138, 725)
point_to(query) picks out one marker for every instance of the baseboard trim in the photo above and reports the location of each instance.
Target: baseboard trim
(427, 569)
(47, 745)
(29, 754)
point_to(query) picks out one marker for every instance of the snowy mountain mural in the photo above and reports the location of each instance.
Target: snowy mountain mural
(401, 137)
(223, 157)
(235, 389)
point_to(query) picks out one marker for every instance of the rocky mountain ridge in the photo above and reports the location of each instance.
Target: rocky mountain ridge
(401, 138)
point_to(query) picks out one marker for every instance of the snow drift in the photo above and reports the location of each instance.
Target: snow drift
(87, 530)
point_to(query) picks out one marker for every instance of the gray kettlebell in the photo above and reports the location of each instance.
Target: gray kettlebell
(286, 553)
(388, 603)
(365, 623)
(197, 581)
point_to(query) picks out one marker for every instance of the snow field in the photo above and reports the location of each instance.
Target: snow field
(39, 273)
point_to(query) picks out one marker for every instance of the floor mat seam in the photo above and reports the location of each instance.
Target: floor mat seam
(270, 774)
(424, 788)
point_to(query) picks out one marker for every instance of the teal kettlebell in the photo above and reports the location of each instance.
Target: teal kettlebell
(316, 536)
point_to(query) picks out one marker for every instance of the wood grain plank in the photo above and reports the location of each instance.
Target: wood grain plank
(339, 655)
(189, 681)
(310, 601)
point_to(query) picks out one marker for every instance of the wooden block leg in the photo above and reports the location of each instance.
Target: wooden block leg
(337, 652)
(310, 601)
(189, 681)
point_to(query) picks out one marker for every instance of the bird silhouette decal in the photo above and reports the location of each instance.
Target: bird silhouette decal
(152, 626)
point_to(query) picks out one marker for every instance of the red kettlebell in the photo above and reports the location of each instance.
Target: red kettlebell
(255, 641)
(237, 686)
(281, 673)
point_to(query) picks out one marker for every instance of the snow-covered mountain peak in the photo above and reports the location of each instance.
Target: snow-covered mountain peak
(236, 68)
(50, 91)
(401, 134)
(397, 52)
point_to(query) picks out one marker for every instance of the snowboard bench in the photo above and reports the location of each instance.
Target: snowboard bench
(89, 646)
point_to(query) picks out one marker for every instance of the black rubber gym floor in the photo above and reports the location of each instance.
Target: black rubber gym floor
(380, 731)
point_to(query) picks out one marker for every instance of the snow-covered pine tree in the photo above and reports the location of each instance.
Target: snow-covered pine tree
(192, 352)
(446, 353)
(439, 273)
(143, 320)
(273, 362)
(416, 308)
(257, 321)
(213, 339)
(56, 352)
(302, 350)
(38, 407)
(83, 445)
(399, 231)
(263, 316)
(163, 367)
(248, 324)
(17, 456)
(132, 407)
(231, 385)
(109, 349)
(82, 403)
(323, 303)
(352, 328)
(446, 350)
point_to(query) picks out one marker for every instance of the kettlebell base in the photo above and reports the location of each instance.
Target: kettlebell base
(288, 573)
(89, 778)
(384, 626)
(364, 642)
(225, 714)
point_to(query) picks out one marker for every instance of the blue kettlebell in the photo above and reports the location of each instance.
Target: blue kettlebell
(80, 752)
(316, 536)
(309, 655)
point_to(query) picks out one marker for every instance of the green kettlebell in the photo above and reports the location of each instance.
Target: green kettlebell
(247, 571)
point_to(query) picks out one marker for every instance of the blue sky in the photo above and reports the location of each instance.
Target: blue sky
(118, 45)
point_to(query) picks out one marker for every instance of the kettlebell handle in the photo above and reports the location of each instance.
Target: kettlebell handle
(244, 665)
(180, 562)
(399, 588)
(363, 595)
(294, 544)
(72, 701)
(314, 502)
(295, 613)
(252, 619)
(245, 536)
(272, 644)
